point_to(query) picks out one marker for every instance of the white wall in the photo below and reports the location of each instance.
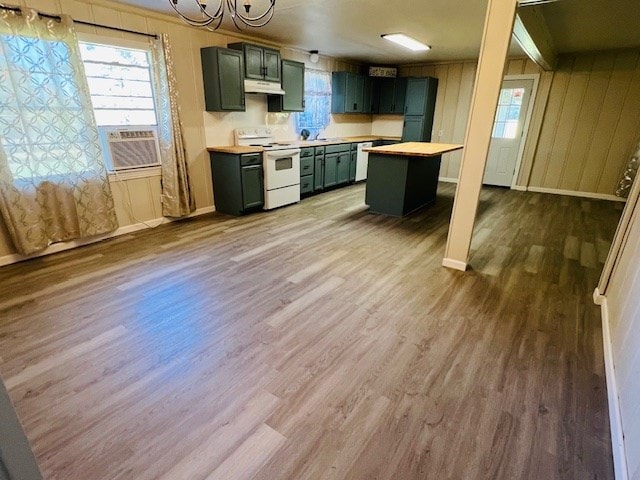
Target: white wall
(621, 312)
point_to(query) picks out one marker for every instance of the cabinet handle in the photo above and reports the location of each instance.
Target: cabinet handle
(355, 106)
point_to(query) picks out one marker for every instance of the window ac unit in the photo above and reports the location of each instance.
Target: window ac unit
(130, 147)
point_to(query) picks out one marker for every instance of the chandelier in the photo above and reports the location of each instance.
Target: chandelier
(212, 18)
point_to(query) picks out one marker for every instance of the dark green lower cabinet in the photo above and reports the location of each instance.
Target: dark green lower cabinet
(330, 170)
(238, 182)
(252, 189)
(352, 166)
(318, 173)
(306, 184)
(344, 166)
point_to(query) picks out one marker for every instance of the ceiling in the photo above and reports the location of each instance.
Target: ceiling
(351, 29)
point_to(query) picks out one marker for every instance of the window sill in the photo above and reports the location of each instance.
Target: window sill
(135, 173)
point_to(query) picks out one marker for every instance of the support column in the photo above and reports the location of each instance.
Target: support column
(491, 64)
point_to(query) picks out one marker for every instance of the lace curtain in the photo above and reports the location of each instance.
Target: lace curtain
(53, 183)
(177, 200)
(624, 187)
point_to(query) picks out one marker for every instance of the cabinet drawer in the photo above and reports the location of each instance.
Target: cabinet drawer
(319, 150)
(343, 147)
(306, 184)
(251, 159)
(306, 166)
(306, 152)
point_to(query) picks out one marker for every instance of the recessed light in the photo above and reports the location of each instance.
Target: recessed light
(407, 42)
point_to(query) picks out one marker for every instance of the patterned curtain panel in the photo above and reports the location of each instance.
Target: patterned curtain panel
(177, 200)
(624, 187)
(53, 183)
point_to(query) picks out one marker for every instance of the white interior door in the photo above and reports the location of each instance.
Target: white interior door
(508, 126)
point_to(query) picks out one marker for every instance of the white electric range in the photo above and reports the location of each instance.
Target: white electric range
(281, 164)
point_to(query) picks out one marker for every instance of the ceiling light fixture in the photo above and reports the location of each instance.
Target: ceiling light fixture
(313, 56)
(406, 41)
(241, 19)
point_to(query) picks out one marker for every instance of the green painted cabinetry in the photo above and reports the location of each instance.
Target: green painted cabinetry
(261, 63)
(238, 182)
(392, 93)
(419, 109)
(293, 85)
(318, 172)
(223, 77)
(350, 93)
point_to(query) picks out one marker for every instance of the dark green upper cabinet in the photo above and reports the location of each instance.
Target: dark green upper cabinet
(223, 76)
(392, 93)
(350, 93)
(261, 63)
(293, 85)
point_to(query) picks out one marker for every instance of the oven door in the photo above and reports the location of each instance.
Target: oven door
(281, 168)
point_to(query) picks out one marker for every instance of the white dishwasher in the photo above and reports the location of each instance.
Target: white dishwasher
(362, 161)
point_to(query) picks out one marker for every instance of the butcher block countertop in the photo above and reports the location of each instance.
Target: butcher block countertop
(301, 143)
(236, 150)
(415, 149)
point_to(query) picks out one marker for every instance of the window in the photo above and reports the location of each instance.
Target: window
(317, 97)
(509, 105)
(120, 82)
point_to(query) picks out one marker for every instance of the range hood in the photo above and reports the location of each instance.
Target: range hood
(261, 86)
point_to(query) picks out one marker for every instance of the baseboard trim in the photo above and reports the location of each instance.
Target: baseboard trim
(519, 188)
(63, 246)
(447, 180)
(455, 264)
(572, 193)
(615, 419)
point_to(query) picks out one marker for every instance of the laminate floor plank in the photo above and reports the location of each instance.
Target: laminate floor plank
(318, 341)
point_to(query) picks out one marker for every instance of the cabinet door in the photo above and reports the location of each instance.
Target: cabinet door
(416, 101)
(271, 64)
(344, 165)
(399, 95)
(375, 94)
(293, 85)
(330, 170)
(231, 79)
(353, 94)
(252, 189)
(352, 166)
(387, 88)
(413, 129)
(318, 173)
(253, 62)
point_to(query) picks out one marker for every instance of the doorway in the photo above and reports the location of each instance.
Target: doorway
(510, 128)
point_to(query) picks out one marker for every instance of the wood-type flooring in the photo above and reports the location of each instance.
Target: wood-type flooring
(319, 341)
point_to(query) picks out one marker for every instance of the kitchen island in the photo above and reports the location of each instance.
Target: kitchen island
(404, 177)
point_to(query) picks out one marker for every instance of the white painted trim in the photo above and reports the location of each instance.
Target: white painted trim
(573, 193)
(447, 179)
(615, 419)
(598, 298)
(519, 188)
(527, 119)
(63, 246)
(455, 264)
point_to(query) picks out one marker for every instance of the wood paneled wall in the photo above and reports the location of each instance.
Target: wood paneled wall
(455, 89)
(623, 302)
(591, 124)
(584, 126)
(138, 200)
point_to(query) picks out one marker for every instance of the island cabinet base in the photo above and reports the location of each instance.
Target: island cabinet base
(397, 184)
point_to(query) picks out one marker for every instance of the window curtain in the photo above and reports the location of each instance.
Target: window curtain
(317, 97)
(177, 200)
(53, 182)
(624, 187)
